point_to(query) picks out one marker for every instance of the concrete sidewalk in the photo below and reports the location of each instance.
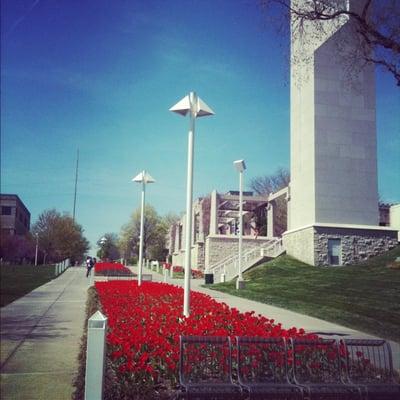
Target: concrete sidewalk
(40, 339)
(287, 318)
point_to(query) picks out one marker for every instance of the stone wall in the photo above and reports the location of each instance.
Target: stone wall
(310, 244)
(221, 246)
(357, 244)
(300, 244)
(197, 257)
(200, 257)
(178, 258)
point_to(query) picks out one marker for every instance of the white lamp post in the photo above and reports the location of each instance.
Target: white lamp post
(240, 167)
(142, 178)
(37, 247)
(195, 107)
(102, 242)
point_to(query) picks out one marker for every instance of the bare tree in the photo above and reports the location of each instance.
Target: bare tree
(375, 24)
(266, 184)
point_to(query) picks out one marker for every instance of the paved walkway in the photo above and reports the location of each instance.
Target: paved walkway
(41, 332)
(287, 318)
(40, 339)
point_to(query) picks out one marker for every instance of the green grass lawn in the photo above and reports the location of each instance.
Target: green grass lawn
(365, 297)
(18, 280)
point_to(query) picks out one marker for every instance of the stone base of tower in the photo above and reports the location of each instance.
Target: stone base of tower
(332, 244)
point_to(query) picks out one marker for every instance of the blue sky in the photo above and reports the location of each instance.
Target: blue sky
(101, 75)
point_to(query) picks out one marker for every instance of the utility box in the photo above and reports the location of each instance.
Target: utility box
(208, 279)
(95, 355)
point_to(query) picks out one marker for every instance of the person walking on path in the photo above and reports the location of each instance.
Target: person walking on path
(89, 265)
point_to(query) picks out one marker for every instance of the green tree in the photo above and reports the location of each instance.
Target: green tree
(109, 249)
(60, 237)
(155, 231)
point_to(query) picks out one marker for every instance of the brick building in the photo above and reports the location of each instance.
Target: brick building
(15, 218)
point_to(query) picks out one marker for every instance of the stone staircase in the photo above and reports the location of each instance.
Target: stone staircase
(229, 265)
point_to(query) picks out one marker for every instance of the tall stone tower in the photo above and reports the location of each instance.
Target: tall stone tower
(333, 199)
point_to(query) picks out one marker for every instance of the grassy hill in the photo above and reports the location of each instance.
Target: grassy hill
(365, 296)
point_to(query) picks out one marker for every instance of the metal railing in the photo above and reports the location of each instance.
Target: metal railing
(229, 265)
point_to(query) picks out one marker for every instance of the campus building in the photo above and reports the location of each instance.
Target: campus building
(333, 214)
(15, 218)
(333, 193)
(216, 228)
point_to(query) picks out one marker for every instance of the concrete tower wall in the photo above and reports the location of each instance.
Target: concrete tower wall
(333, 197)
(333, 134)
(346, 190)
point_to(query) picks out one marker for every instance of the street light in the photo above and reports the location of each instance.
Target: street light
(37, 247)
(142, 178)
(102, 242)
(240, 167)
(195, 107)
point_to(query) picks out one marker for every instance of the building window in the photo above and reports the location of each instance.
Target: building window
(334, 251)
(5, 210)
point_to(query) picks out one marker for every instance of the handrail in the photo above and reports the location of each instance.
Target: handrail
(272, 249)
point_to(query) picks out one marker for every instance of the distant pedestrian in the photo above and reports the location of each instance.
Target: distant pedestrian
(89, 265)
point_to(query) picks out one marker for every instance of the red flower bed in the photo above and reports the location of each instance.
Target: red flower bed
(145, 324)
(167, 266)
(196, 273)
(111, 269)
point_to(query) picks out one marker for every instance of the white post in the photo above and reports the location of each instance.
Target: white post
(165, 275)
(189, 199)
(240, 282)
(36, 251)
(141, 231)
(95, 354)
(195, 107)
(270, 219)
(171, 271)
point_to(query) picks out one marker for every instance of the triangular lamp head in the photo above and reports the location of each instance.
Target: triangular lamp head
(182, 107)
(203, 109)
(143, 176)
(200, 108)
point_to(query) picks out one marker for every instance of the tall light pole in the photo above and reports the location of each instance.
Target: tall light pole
(142, 178)
(102, 242)
(37, 247)
(240, 167)
(195, 107)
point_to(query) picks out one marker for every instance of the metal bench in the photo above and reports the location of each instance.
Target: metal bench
(369, 365)
(316, 366)
(205, 368)
(262, 369)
